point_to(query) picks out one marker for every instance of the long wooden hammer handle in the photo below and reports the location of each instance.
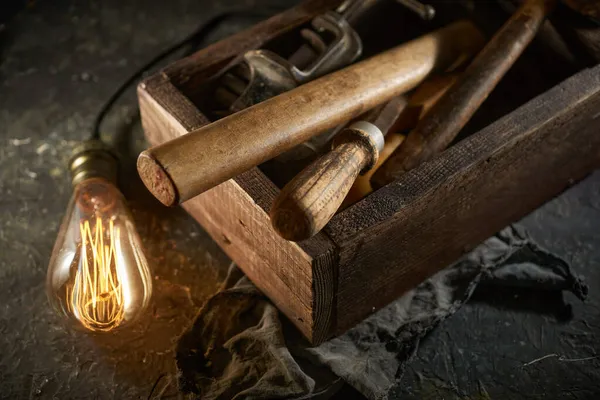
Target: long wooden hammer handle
(456, 107)
(193, 163)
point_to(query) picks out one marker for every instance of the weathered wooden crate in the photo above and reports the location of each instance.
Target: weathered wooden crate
(392, 240)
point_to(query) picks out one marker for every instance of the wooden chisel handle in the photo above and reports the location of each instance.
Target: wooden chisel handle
(193, 163)
(308, 201)
(456, 107)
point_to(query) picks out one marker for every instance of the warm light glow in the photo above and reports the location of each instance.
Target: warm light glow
(98, 276)
(97, 297)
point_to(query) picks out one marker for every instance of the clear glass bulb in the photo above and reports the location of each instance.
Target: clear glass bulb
(98, 276)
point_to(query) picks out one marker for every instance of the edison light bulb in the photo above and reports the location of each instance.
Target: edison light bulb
(98, 276)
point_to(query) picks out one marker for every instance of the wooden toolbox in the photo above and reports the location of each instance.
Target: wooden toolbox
(390, 241)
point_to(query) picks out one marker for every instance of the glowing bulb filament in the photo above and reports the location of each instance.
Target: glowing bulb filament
(98, 276)
(97, 298)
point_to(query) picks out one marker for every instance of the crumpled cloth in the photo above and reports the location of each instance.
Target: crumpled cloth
(240, 347)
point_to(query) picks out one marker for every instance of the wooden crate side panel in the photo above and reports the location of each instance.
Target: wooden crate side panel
(320, 248)
(412, 228)
(281, 269)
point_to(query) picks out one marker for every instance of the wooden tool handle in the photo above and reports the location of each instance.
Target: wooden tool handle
(308, 201)
(456, 107)
(193, 163)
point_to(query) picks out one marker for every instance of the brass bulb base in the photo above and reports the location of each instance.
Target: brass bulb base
(93, 159)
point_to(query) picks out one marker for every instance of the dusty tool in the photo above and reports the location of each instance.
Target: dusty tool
(191, 164)
(264, 74)
(419, 103)
(450, 114)
(309, 200)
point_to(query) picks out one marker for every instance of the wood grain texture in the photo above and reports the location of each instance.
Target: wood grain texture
(310, 199)
(225, 148)
(413, 227)
(362, 185)
(279, 268)
(419, 104)
(320, 249)
(456, 107)
(298, 278)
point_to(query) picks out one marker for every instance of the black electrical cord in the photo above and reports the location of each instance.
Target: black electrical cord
(195, 37)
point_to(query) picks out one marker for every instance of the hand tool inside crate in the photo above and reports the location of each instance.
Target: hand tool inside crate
(235, 122)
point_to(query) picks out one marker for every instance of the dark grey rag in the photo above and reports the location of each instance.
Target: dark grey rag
(240, 348)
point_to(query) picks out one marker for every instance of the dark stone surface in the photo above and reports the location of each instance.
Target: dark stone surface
(59, 61)
(488, 349)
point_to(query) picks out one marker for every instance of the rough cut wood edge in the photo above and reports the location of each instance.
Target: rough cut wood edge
(299, 279)
(413, 227)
